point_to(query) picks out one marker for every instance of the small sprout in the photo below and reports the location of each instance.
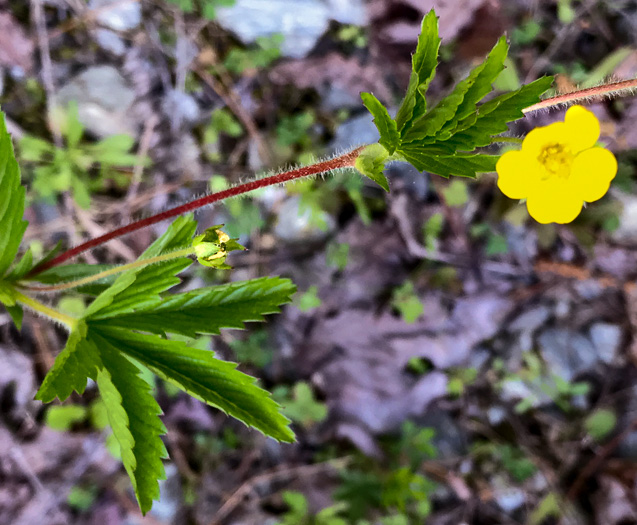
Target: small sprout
(212, 247)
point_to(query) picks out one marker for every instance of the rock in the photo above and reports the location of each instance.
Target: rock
(517, 390)
(296, 225)
(567, 353)
(17, 368)
(301, 22)
(626, 233)
(509, 499)
(117, 15)
(530, 320)
(109, 41)
(104, 101)
(165, 509)
(182, 108)
(607, 340)
(350, 12)
(355, 131)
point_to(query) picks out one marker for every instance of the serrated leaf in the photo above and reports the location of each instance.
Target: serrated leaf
(207, 310)
(423, 64)
(199, 373)
(12, 195)
(17, 313)
(22, 267)
(461, 165)
(371, 163)
(493, 116)
(461, 102)
(79, 360)
(389, 136)
(139, 288)
(133, 415)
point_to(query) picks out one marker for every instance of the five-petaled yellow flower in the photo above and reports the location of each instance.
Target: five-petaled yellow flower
(558, 168)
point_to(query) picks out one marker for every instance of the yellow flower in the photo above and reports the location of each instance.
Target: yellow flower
(558, 168)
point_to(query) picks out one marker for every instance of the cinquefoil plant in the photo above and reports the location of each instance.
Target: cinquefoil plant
(125, 326)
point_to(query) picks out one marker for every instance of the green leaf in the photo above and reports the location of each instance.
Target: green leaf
(79, 360)
(463, 99)
(493, 116)
(600, 423)
(207, 310)
(389, 136)
(141, 287)
(63, 417)
(22, 267)
(73, 272)
(133, 416)
(423, 64)
(462, 165)
(17, 313)
(11, 201)
(211, 380)
(371, 163)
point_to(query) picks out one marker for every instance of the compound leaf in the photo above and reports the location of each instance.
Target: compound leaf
(389, 136)
(461, 102)
(461, 165)
(79, 360)
(133, 415)
(141, 287)
(199, 373)
(423, 64)
(12, 195)
(207, 310)
(493, 116)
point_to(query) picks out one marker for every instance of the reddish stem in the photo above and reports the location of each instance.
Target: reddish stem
(343, 161)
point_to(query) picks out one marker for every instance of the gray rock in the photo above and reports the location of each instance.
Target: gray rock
(295, 223)
(118, 15)
(110, 41)
(347, 11)
(104, 101)
(17, 368)
(510, 499)
(607, 340)
(182, 108)
(517, 390)
(530, 320)
(626, 233)
(355, 131)
(567, 353)
(301, 22)
(165, 509)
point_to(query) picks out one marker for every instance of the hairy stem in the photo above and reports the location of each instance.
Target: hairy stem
(344, 161)
(35, 305)
(107, 273)
(614, 89)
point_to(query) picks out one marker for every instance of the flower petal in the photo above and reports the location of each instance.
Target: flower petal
(592, 171)
(539, 138)
(554, 201)
(582, 129)
(517, 173)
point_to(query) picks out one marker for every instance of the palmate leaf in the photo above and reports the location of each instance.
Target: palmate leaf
(141, 287)
(79, 360)
(199, 373)
(133, 416)
(12, 195)
(493, 116)
(423, 64)
(207, 310)
(461, 102)
(461, 165)
(389, 136)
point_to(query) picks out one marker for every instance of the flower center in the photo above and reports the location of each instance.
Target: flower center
(557, 160)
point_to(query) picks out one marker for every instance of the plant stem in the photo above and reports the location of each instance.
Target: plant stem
(343, 161)
(614, 89)
(514, 140)
(35, 305)
(107, 273)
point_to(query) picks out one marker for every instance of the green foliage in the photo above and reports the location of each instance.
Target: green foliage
(309, 300)
(63, 417)
(207, 8)
(76, 167)
(431, 231)
(456, 194)
(337, 255)
(600, 423)
(405, 300)
(12, 199)
(444, 139)
(254, 350)
(460, 379)
(300, 405)
(298, 512)
(82, 498)
(265, 51)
